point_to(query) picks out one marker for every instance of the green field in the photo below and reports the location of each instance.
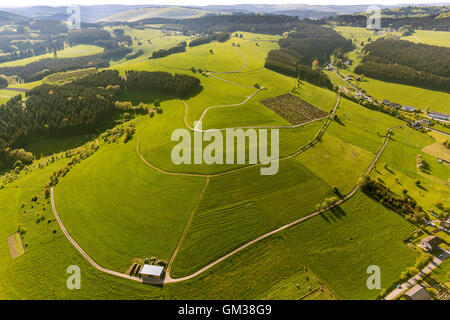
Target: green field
(121, 210)
(435, 38)
(402, 173)
(69, 52)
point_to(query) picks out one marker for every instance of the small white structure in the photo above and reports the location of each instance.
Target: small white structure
(151, 272)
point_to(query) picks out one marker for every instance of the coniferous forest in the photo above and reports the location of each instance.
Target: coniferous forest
(79, 106)
(407, 62)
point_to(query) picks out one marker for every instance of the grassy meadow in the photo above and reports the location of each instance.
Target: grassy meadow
(69, 52)
(120, 210)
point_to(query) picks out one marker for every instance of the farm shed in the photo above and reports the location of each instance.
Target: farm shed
(417, 292)
(149, 271)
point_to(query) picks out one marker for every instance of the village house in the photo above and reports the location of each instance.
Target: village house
(348, 62)
(418, 292)
(439, 115)
(408, 109)
(426, 121)
(445, 225)
(416, 125)
(386, 102)
(430, 243)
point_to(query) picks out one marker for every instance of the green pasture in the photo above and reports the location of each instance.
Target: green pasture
(69, 52)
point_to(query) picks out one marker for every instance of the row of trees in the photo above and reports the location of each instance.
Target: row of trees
(217, 36)
(402, 74)
(181, 47)
(403, 205)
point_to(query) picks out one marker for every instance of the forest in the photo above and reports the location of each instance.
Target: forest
(266, 24)
(77, 107)
(407, 63)
(285, 63)
(431, 22)
(427, 58)
(308, 45)
(313, 42)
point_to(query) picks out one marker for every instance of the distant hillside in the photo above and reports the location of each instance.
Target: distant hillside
(8, 17)
(166, 12)
(88, 13)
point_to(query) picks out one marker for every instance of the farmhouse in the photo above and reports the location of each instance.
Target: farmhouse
(426, 121)
(439, 115)
(445, 225)
(418, 292)
(151, 272)
(386, 102)
(416, 125)
(408, 108)
(430, 243)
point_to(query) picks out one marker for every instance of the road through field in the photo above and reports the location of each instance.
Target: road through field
(168, 278)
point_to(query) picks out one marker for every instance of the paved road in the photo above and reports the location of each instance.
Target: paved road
(438, 131)
(416, 279)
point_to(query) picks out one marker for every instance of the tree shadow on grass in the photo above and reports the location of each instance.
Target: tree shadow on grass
(338, 212)
(339, 121)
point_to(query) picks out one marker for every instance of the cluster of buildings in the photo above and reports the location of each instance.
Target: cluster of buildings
(394, 105)
(418, 124)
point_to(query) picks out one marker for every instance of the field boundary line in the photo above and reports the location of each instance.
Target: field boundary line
(293, 223)
(80, 250)
(231, 253)
(186, 227)
(296, 153)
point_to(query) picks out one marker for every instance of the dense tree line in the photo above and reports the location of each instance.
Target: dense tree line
(285, 63)
(3, 83)
(377, 190)
(39, 69)
(402, 74)
(267, 24)
(427, 58)
(177, 84)
(76, 107)
(132, 56)
(217, 36)
(181, 47)
(431, 22)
